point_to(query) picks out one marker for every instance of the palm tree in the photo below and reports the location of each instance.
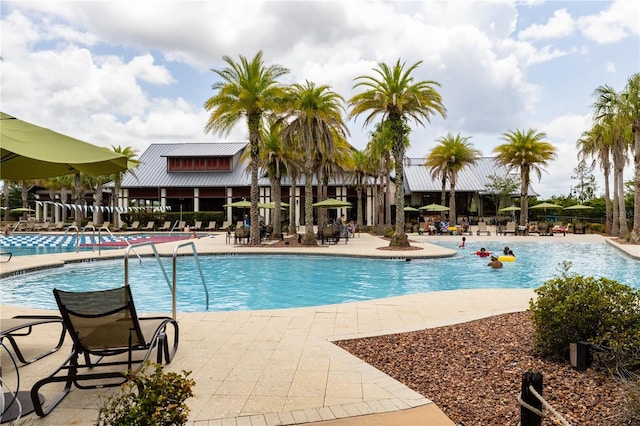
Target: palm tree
(314, 120)
(247, 89)
(393, 94)
(360, 171)
(132, 161)
(630, 109)
(597, 143)
(272, 161)
(526, 152)
(452, 155)
(609, 112)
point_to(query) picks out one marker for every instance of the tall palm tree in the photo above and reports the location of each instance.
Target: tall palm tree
(272, 161)
(609, 111)
(452, 155)
(630, 109)
(248, 89)
(597, 143)
(394, 94)
(132, 161)
(314, 119)
(381, 145)
(526, 152)
(360, 172)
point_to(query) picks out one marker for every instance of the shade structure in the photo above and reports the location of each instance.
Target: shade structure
(435, 208)
(22, 210)
(330, 203)
(579, 207)
(546, 206)
(410, 209)
(510, 209)
(272, 205)
(246, 204)
(28, 151)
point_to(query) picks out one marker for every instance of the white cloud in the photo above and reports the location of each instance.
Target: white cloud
(619, 21)
(561, 24)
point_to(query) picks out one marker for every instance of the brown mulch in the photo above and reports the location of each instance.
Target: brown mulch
(473, 372)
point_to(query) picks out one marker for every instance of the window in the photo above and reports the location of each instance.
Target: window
(199, 164)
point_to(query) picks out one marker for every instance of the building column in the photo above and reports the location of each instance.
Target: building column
(196, 199)
(163, 197)
(229, 209)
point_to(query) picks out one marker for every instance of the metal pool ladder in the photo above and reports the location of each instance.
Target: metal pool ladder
(173, 284)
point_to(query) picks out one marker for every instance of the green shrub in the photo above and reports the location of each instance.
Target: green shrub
(571, 308)
(155, 399)
(388, 232)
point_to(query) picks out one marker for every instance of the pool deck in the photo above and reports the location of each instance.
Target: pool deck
(279, 367)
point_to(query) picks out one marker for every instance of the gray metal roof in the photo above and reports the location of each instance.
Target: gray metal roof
(152, 172)
(217, 149)
(473, 178)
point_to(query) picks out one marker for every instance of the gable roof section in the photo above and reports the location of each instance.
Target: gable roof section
(152, 171)
(221, 149)
(473, 178)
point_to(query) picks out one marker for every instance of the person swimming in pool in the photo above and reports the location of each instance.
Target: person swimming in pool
(483, 252)
(495, 262)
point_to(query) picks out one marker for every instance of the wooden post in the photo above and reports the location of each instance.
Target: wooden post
(527, 417)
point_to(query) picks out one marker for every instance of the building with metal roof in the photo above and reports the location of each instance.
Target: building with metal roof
(206, 176)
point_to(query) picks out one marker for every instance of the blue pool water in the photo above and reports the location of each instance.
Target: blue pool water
(276, 281)
(37, 244)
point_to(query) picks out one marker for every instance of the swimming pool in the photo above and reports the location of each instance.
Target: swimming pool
(250, 282)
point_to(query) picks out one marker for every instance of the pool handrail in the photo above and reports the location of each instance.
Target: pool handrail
(155, 254)
(114, 237)
(175, 274)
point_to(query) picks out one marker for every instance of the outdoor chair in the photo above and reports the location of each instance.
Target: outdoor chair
(579, 228)
(166, 226)
(58, 226)
(22, 325)
(149, 226)
(104, 325)
(182, 225)
(482, 229)
(211, 226)
(510, 228)
(197, 226)
(241, 234)
(545, 229)
(225, 225)
(134, 226)
(104, 226)
(89, 226)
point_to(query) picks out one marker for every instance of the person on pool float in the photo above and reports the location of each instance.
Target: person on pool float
(495, 263)
(483, 252)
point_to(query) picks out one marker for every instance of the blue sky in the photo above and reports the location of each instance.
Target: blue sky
(135, 73)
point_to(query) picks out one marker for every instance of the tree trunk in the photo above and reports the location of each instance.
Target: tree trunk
(277, 212)
(623, 228)
(452, 200)
(635, 232)
(524, 195)
(309, 236)
(615, 226)
(399, 238)
(254, 142)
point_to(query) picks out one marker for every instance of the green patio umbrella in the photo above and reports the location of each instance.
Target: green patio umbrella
(246, 204)
(510, 209)
(410, 209)
(546, 206)
(435, 208)
(579, 207)
(22, 210)
(332, 203)
(28, 151)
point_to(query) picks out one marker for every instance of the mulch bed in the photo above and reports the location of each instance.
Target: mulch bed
(473, 372)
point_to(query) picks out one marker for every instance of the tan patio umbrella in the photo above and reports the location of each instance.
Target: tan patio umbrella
(332, 203)
(546, 206)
